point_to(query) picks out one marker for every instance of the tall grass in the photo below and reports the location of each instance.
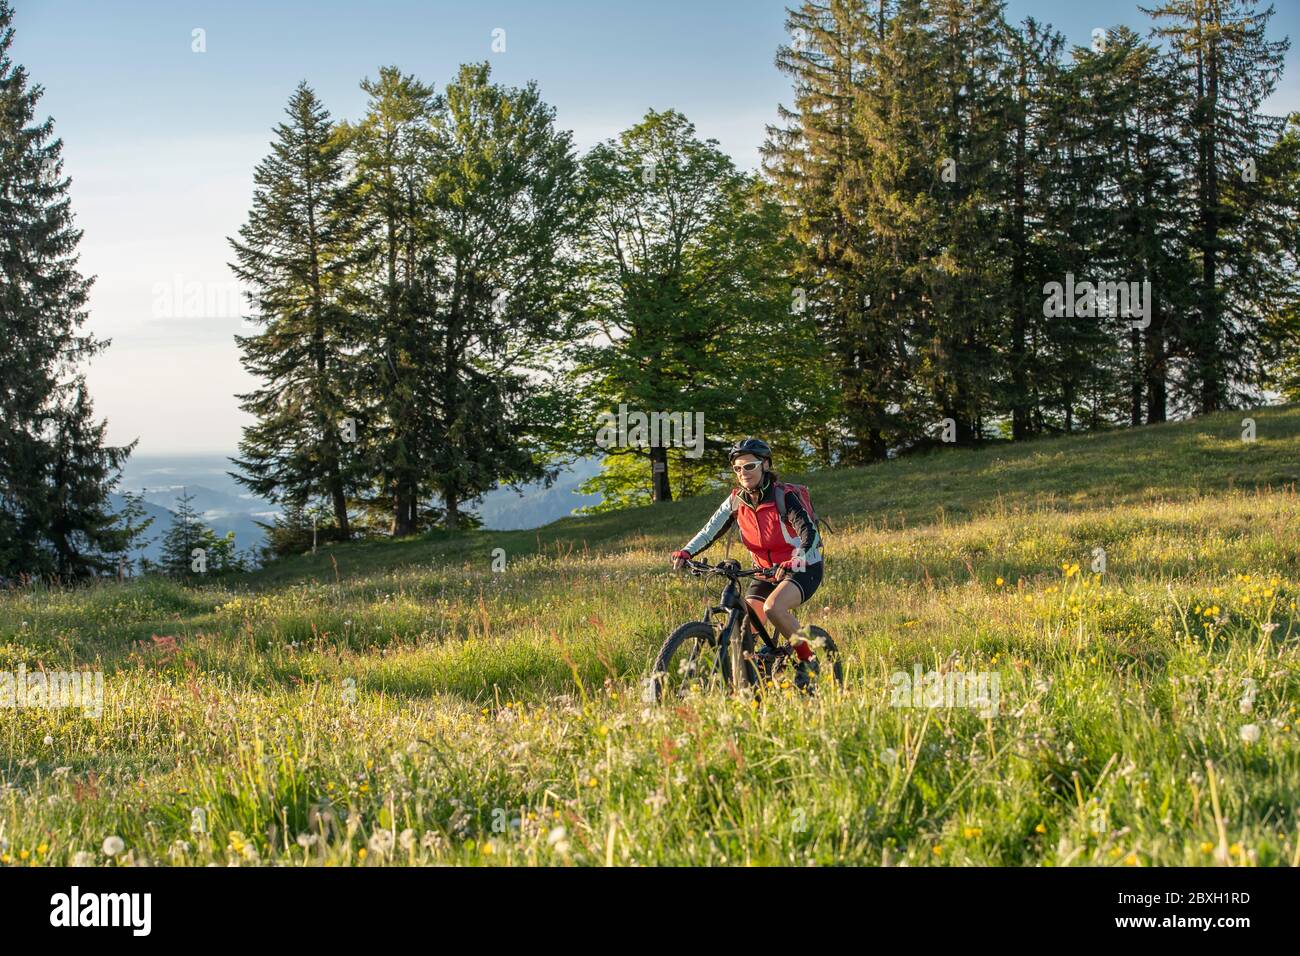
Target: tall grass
(415, 708)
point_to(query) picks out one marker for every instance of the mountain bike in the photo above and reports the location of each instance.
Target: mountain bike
(707, 653)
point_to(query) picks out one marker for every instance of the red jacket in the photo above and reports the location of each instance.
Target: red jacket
(770, 540)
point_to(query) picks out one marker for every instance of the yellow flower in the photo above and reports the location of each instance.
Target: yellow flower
(998, 582)
(1131, 860)
(593, 782)
(1207, 847)
(971, 832)
(361, 853)
(1040, 829)
(937, 850)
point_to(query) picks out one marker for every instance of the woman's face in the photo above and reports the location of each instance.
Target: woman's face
(748, 471)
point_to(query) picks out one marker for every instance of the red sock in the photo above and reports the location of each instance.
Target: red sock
(803, 650)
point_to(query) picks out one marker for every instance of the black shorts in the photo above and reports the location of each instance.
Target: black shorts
(807, 580)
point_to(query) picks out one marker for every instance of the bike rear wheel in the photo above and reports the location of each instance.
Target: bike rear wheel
(827, 654)
(690, 660)
(784, 665)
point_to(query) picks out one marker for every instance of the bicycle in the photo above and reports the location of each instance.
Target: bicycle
(706, 653)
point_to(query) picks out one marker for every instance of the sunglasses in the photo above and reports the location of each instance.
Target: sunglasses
(746, 467)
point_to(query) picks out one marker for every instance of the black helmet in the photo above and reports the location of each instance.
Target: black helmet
(750, 446)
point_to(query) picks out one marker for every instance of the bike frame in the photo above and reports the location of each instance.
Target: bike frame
(737, 609)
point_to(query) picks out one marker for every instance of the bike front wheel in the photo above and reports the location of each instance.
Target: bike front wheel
(690, 660)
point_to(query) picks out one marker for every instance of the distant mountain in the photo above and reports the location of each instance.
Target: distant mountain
(225, 505)
(506, 510)
(162, 519)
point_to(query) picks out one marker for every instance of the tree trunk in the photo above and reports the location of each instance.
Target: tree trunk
(660, 489)
(451, 510)
(340, 502)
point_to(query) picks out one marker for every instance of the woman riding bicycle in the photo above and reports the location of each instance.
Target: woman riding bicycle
(789, 544)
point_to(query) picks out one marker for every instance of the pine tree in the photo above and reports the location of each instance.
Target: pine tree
(295, 253)
(1034, 54)
(182, 538)
(55, 471)
(87, 539)
(135, 522)
(818, 162)
(1223, 59)
(967, 283)
(1144, 217)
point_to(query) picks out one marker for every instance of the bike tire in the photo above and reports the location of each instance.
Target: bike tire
(828, 651)
(673, 674)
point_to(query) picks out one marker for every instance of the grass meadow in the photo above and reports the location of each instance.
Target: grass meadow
(387, 704)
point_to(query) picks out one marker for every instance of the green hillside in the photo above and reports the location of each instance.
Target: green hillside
(406, 700)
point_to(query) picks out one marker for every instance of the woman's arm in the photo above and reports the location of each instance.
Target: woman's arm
(713, 529)
(809, 539)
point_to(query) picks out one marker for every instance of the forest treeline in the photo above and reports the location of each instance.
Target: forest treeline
(962, 230)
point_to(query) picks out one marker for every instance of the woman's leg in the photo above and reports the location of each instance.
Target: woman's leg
(779, 607)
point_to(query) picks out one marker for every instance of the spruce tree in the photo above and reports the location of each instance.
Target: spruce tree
(1223, 59)
(295, 252)
(818, 162)
(185, 534)
(55, 471)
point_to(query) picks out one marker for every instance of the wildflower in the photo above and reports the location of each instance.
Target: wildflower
(49, 741)
(970, 833)
(113, 845)
(407, 839)
(998, 582)
(1249, 733)
(1040, 829)
(656, 801)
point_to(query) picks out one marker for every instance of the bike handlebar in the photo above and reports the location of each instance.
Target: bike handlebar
(727, 569)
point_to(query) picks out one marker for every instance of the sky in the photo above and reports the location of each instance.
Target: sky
(161, 140)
